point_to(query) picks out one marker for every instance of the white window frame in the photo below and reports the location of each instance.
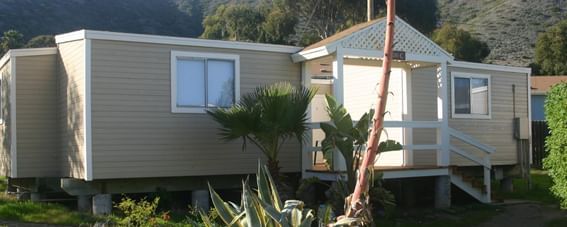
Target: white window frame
(175, 55)
(471, 76)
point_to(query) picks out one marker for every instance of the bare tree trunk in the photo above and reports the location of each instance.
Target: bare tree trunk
(378, 119)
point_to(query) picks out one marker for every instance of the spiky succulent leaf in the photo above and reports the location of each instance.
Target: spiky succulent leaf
(206, 221)
(348, 222)
(223, 209)
(325, 215)
(277, 202)
(308, 218)
(296, 217)
(253, 216)
(264, 191)
(273, 213)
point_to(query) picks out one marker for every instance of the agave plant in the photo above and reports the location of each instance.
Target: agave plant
(261, 207)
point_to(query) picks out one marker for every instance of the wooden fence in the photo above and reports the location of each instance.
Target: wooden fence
(539, 132)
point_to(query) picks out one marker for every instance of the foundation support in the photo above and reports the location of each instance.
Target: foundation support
(200, 199)
(102, 204)
(442, 192)
(84, 203)
(506, 184)
(35, 196)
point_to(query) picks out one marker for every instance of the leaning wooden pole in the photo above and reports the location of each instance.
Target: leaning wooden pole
(378, 118)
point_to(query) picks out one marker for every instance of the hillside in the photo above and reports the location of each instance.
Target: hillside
(509, 27)
(38, 17)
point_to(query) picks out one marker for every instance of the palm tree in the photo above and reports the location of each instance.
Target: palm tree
(268, 117)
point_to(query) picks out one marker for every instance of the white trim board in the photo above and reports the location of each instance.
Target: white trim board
(88, 113)
(396, 174)
(26, 52)
(158, 39)
(13, 132)
(175, 55)
(473, 65)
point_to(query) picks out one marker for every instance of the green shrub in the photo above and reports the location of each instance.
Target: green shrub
(140, 213)
(556, 142)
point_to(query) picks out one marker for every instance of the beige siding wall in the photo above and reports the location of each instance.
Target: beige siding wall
(424, 108)
(71, 78)
(498, 131)
(134, 133)
(319, 102)
(37, 121)
(5, 133)
(360, 92)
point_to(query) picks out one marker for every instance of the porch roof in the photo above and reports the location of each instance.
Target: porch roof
(369, 37)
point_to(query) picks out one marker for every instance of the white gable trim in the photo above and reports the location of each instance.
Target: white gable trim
(371, 47)
(170, 40)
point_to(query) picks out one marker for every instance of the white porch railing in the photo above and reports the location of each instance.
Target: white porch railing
(387, 124)
(484, 162)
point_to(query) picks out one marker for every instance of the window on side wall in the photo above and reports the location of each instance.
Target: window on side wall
(471, 96)
(201, 81)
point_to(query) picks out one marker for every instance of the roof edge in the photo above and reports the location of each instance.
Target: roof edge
(5, 58)
(26, 52)
(474, 65)
(71, 36)
(172, 40)
(313, 53)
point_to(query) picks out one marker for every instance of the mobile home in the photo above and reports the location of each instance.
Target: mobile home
(106, 112)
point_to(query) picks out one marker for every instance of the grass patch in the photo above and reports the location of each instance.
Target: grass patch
(470, 215)
(27, 211)
(47, 213)
(539, 191)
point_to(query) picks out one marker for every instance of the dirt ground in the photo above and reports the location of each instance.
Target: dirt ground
(525, 214)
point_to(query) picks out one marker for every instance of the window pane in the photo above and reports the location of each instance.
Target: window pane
(479, 96)
(220, 83)
(462, 96)
(191, 82)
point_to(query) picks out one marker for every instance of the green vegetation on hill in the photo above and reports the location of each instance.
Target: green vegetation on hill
(460, 43)
(49, 17)
(551, 50)
(509, 27)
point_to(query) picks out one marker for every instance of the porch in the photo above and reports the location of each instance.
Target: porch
(347, 67)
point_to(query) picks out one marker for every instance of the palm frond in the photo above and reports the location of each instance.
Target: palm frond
(269, 116)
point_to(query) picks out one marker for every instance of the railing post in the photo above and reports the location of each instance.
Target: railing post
(306, 155)
(338, 77)
(487, 178)
(487, 185)
(443, 137)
